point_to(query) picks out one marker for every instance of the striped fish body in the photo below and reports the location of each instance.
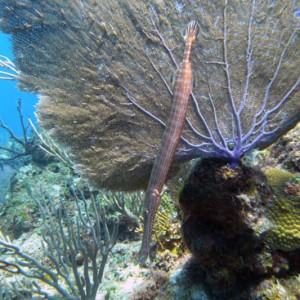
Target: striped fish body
(170, 140)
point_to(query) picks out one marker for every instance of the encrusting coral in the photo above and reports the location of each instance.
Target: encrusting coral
(283, 211)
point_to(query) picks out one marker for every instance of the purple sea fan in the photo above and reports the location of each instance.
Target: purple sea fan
(103, 72)
(249, 73)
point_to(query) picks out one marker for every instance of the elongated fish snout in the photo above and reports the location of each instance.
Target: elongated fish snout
(192, 30)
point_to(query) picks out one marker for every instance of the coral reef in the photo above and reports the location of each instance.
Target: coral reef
(19, 213)
(20, 147)
(20, 150)
(240, 226)
(6, 172)
(98, 67)
(283, 211)
(240, 259)
(167, 245)
(286, 152)
(75, 246)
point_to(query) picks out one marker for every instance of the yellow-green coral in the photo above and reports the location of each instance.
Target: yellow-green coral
(277, 289)
(284, 212)
(166, 228)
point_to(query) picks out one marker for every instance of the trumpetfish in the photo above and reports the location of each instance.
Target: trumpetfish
(170, 140)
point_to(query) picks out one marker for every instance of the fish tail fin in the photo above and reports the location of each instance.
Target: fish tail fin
(192, 30)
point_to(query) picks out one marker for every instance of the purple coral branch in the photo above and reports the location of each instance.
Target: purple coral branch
(141, 108)
(243, 142)
(248, 60)
(203, 120)
(218, 129)
(265, 119)
(159, 73)
(161, 38)
(235, 114)
(196, 132)
(255, 124)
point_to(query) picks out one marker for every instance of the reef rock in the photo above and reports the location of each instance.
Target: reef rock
(242, 228)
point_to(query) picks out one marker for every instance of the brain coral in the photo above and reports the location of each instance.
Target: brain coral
(283, 212)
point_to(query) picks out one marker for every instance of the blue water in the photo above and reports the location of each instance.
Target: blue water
(9, 95)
